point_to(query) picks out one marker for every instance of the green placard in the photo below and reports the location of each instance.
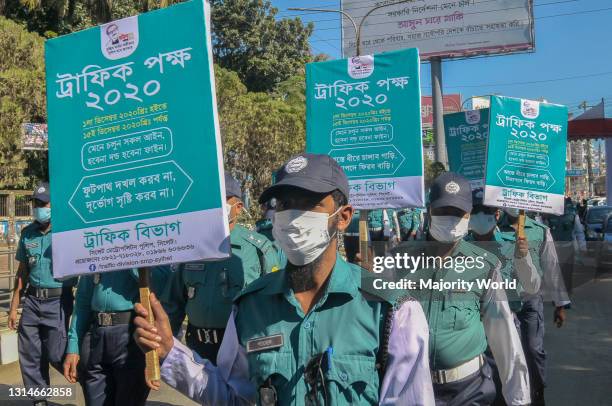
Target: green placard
(466, 143)
(134, 146)
(526, 155)
(365, 112)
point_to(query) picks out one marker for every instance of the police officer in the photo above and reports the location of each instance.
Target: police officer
(464, 318)
(48, 302)
(567, 230)
(312, 333)
(100, 337)
(384, 228)
(484, 233)
(264, 227)
(409, 223)
(531, 314)
(351, 238)
(203, 291)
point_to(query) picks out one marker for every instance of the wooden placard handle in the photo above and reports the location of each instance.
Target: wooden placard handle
(520, 232)
(152, 371)
(364, 236)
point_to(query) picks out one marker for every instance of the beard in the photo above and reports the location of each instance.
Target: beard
(302, 278)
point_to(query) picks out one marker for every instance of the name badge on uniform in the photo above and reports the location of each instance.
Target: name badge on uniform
(264, 343)
(191, 292)
(194, 267)
(31, 245)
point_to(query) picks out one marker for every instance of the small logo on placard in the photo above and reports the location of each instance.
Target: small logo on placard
(530, 108)
(360, 67)
(472, 117)
(119, 39)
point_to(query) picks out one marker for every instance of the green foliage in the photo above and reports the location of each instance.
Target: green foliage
(433, 169)
(260, 130)
(248, 39)
(22, 99)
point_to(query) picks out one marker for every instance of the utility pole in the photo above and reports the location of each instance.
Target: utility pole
(438, 110)
(587, 143)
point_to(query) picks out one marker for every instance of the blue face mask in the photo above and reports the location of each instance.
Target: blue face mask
(42, 214)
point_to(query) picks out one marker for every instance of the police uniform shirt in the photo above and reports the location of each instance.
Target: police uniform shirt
(107, 292)
(407, 380)
(34, 250)
(463, 322)
(549, 261)
(204, 290)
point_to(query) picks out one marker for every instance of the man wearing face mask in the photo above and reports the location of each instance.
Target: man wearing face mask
(464, 319)
(48, 302)
(516, 264)
(203, 291)
(309, 334)
(531, 314)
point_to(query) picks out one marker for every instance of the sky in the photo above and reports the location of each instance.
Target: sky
(572, 61)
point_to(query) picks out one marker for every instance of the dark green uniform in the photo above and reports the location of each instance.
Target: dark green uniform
(111, 364)
(203, 291)
(343, 323)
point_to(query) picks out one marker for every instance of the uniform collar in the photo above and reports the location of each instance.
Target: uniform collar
(238, 232)
(343, 280)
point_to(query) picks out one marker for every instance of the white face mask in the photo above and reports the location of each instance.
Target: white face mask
(229, 207)
(448, 228)
(302, 235)
(482, 223)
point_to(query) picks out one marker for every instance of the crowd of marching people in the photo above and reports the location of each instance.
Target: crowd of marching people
(292, 316)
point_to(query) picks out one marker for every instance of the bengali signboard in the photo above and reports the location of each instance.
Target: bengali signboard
(526, 155)
(365, 112)
(135, 152)
(34, 136)
(451, 103)
(466, 142)
(441, 28)
(574, 173)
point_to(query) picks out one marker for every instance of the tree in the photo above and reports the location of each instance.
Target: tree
(248, 39)
(22, 99)
(259, 130)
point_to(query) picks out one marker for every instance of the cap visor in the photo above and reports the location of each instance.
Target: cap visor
(309, 184)
(456, 203)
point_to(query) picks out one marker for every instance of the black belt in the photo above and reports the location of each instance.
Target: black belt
(102, 319)
(206, 335)
(44, 293)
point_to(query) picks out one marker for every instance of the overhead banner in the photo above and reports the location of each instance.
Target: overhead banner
(442, 28)
(134, 145)
(365, 112)
(451, 103)
(526, 155)
(466, 143)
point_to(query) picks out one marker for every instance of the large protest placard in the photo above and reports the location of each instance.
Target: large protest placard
(365, 112)
(466, 143)
(441, 28)
(526, 155)
(134, 144)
